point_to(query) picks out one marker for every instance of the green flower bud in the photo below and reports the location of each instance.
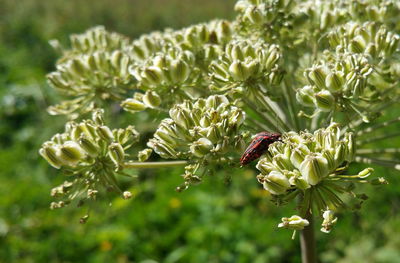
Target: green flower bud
(335, 81)
(153, 75)
(334, 39)
(180, 71)
(151, 99)
(201, 147)
(77, 67)
(298, 154)
(127, 136)
(237, 117)
(49, 153)
(71, 153)
(265, 167)
(357, 45)
(163, 149)
(294, 222)
(90, 147)
(365, 173)
(86, 128)
(329, 155)
(239, 71)
(318, 75)
(305, 96)
(133, 105)
(254, 15)
(105, 133)
(272, 59)
(340, 154)
(216, 101)
(324, 100)
(276, 183)
(297, 180)
(283, 162)
(144, 155)
(371, 50)
(314, 168)
(181, 116)
(116, 153)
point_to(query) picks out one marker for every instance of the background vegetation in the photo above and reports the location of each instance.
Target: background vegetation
(226, 219)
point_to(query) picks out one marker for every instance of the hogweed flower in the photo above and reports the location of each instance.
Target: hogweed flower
(294, 222)
(90, 80)
(205, 131)
(246, 65)
(312, 166)
(170, 74)
(91, 155)
(329, 221)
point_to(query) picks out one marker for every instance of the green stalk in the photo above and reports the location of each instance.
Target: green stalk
(307, 241)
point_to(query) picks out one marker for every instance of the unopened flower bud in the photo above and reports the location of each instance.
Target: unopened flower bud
(239, 71)
(254, 15)
(181, 116)
(294, 222)
(71, 153)
(216, 101)
(334, 81)
(153, 75)
(276, 183)
(305, 96)
(365, 173)
(133, 105)
(89, 146)
(180, 71)
(144, 155)
(201, 147)
(318, 75)
(265, 167)
(49, 153)
(298, 154)
(116, 153)
(357, 45)
(314, 168)
(297, 180)
(105, 133)
(324, 100)
(151, 99)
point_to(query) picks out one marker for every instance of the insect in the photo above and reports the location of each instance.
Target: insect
(258, 146)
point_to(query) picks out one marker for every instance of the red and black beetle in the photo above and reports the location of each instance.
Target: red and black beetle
(258, 146)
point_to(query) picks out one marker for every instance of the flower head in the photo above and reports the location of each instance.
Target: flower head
(90, 154)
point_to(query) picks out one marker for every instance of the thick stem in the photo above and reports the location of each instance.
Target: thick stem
(307, 242)
(153, 164)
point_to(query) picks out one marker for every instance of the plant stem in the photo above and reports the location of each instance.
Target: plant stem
(153, 164)
(307, 241)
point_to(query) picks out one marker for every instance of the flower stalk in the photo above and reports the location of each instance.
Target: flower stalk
(307, 241)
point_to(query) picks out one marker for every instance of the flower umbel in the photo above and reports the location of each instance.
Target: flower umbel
(91, 155)
(312, 166)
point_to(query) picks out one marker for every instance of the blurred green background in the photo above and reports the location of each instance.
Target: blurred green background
(226, 219)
